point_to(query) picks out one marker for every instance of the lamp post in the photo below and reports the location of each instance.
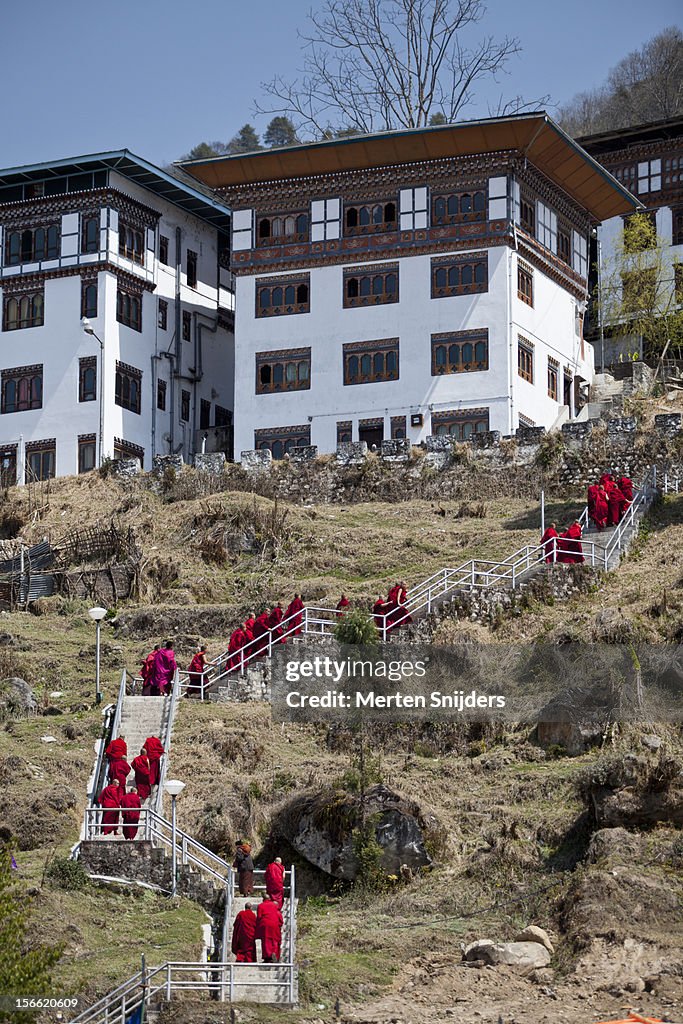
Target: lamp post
(97, 614)
(88, 328)
(174, 788)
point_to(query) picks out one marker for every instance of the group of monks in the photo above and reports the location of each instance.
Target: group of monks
(563, 547)
(266, 923)
(158, 670)
(118, 802)
(391, 612)
(609, 500)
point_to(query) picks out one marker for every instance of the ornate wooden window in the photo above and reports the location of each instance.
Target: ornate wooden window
(23, 310)
(128, 387)
(32, 245)
(626, 174)
(398, 427)
(277, 296)
(344, 432)
(131, 242)
(161, 394)
(191, 269)
(163, 250)
(87, 452)
(127, 450)
(460, 424)
(672, 171)
(22, 388)
(527, 215)
(525, 360)
(40, 459)
(280, 440)
(372, 285)
(367, 362)
(553, 375)
(87, 379)
(525, 283)
(564, 245)
(204, 414)
(460, 352)
(282, 229)
(639, 293)
(8, 465)
(129, 308)
(370, 218)
(162, 315)
(187, 325)
(459, 207)
(185, 406)
(89, 298)
(286, 370)
(677, 227)
(463, 274)
(90, 234)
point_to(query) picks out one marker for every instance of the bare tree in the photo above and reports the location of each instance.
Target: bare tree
(376, 64)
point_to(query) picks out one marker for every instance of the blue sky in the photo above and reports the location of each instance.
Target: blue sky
(158, 76)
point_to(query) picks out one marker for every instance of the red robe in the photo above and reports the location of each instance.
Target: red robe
(154, 748)
(163, 670)
(605, 479)
(261, 633)
(238, 638)
(110, 797)
(276, 617)
(142, 767)
(119, 769)
(244, 937)
(342, 606)
(550, 549)
(564, 548)
(392, 607)
(573, 543)
(615, 500)
(146, 673)
(249, 628)
(626, 487)
(196, 673)
(117, 748)
(402, 616)
(597, 506)
(269, 930)
(379, 610)
(130, 815)
(275, 883)
(293, 613)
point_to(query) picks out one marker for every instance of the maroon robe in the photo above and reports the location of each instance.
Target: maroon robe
(110, 797)
(392, 607)
(244, 937)
(402, 616)
(293, 613)
(276, 617)
(142, 767)
(597, 505)
(573, 543)
(261, 633)
(196, 674)
(119, 770)
(163, 670)
(146, 673)
(130, 812)
(117, 748)
(275, 883)
(564, 551)
(249, 628)
(342, 606)
(379, 610)
(238, 639)
(626, 487)
(615, 500)
(154, 748)
(550, 534)
(269, 931)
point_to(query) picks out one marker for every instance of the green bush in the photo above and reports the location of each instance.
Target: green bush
(70, 875)
(356, 629)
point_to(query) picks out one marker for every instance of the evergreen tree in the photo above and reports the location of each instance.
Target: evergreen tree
(280, 132)
(437, 119)
(246, 141)
(204, 150)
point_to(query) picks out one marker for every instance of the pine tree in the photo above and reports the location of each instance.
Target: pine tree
(246, 141)
(280, 132)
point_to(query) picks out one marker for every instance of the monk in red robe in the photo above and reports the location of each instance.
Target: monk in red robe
(276, 617)
(549, 543)
(402, 616)
(605, 479)
(142, 767)
(238, 639)
(196, 669)
(261, 634)
(379, 610)
(117, 748)
(130, 813)
(625, 485)
(269, 930)
(163, 670)
(146, 671)
(615, 500)
(119, 770)
(249, 624)
(563, 544)
(342, 605)
(275, 882)
(293, 612)
(573, 542)
(155, 750)
(110, 798)
(244, 936)
(392, 606)
(597, 505)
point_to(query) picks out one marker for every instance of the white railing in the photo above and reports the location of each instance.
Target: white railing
(170, 706)
(111, 731)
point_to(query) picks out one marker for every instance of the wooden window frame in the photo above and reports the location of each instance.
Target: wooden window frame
(25, 386)
(88, 302)
(23, 310)
(185, 405)
(525, 360)
(293, 291)
(161, 394)
(129, 308)
(276, 225)
(86, 442)
(47, 451)
(90, 245)
(527, 215)
(368, 211)
(564, 244)
(371, 285)
(553, 379)
(192, 263)
(8, 465)
(672, 171)
(362, 361)
(344, 431)
(132, 242)
(447, 207)
(32, 245)
(677, 226)
(466, 274)
(525, 284)
(460, 424)
(128, 450)
(277, 363)
(187, 325)
(124, 395)
(163, 250)
(462, 341)
(399, 428)
(284, 437)
(85, 364)
(162, 315)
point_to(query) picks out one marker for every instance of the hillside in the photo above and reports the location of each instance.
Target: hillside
(512, 839)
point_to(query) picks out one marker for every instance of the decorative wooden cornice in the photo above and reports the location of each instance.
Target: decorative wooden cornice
(19, 282)
(34, 211)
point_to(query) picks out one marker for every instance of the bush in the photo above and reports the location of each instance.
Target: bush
(67, 874)
(356, 629)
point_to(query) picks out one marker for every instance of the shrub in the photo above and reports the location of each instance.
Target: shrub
(67, 874)
(355, 628)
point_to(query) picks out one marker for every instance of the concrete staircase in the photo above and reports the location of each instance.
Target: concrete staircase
(251, 987)
(142, 717)
(606, 397)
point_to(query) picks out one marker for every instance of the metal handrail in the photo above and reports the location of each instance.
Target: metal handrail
(111, 731)
(170, 706)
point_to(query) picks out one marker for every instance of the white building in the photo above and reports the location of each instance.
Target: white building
(144, 256)
(410, 283)
(648, 160)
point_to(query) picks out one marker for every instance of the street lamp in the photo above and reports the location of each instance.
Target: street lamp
(97, 614)
(174, 788)
(88, 328)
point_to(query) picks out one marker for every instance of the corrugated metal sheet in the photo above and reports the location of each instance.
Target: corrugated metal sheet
(40, 556)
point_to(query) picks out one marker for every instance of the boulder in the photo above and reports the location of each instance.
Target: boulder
(651, 742)
(17, 699)
(532, 933)
(521, 955)
(320, 827)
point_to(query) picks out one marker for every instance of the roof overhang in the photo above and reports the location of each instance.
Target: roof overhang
(536, 136)
(187, 194)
